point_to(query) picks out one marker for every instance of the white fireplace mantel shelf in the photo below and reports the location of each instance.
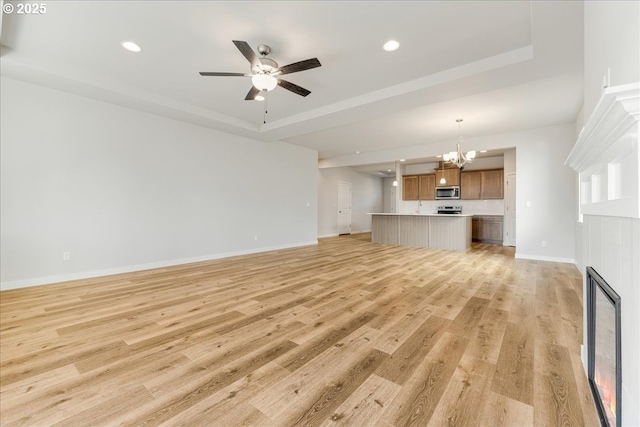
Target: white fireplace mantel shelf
(607, 157)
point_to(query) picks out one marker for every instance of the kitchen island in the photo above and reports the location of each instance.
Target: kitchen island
(438, 231)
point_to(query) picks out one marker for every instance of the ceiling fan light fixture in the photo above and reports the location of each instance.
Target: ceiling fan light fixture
(264, 82)
(265, 72)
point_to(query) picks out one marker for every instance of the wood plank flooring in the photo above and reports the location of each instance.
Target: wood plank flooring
(344, 333)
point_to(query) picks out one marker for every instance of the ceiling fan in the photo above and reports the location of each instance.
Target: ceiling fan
(265, 72)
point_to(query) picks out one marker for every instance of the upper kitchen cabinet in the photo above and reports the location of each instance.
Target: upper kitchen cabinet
(410, 187)
(419, 187)
(427, 184)
(482, 185)
(451, 175)
(492, 186)
(470, 183)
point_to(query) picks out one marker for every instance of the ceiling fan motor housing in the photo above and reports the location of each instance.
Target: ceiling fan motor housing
(264, 50)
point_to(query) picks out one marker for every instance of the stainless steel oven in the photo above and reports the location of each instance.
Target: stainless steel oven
(446, 193)
(449, 210)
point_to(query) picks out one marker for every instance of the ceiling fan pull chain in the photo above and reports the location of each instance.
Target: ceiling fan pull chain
(264, 116)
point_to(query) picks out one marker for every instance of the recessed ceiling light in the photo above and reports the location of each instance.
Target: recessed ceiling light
(483, 151)
(402, 160)
(259, 98)
(391, 45)
(131, 47)
(357, 152)
(388, 170)
(439, 156)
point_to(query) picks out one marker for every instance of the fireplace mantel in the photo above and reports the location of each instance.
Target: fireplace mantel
(607, 157)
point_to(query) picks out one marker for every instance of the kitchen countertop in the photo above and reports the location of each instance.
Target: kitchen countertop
(418, 214)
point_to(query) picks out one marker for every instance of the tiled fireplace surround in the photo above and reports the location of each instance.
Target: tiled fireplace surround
(606, 156)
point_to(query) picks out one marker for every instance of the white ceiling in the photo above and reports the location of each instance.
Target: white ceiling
(501, 65)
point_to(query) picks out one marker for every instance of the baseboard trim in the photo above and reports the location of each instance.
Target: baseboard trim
(361, 231)
(545, 258)
(37, 281)
(322, 236)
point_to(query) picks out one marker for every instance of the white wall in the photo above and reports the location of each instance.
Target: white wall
(611, 41)
(545, 194)
(122, 190)
(389, 195)
(495, 162)
(366, 196)
(509, 162)
(419, 168)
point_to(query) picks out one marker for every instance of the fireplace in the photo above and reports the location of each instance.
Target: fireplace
(603, 348)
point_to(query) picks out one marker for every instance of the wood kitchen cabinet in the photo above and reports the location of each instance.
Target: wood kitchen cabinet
(482, 185)
(427, 187)
(451, 175)
(410, 187)
(492, 184)
(470, 183)
(487, 228)
(419, 187)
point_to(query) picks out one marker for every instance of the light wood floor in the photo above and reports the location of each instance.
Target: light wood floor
(344, 333)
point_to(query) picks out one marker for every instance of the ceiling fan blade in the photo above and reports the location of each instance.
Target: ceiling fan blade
(293, 88)
(299, 66)
(248, 53)
(211, 73)
(252, 93)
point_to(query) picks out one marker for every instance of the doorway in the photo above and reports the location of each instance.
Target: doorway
(344, 207)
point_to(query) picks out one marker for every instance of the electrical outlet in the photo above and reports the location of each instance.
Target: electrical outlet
(544, 243)
(66, 256)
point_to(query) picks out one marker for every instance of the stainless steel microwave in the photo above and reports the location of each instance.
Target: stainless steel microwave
(452, 192)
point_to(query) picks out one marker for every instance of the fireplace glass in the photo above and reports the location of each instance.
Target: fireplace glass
(603, 323)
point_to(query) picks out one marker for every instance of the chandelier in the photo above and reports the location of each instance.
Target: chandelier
(457, 157)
